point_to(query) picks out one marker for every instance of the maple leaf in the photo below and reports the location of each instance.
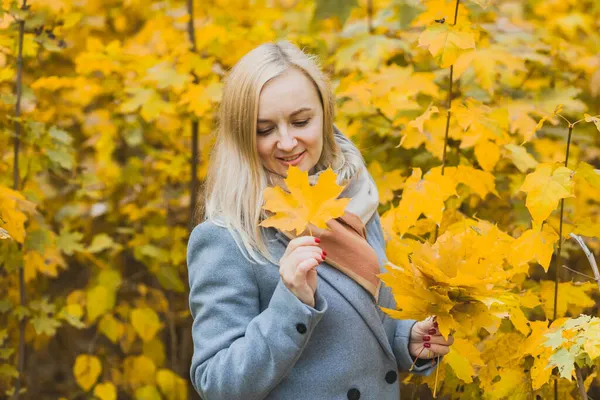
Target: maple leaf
(573, 340)
(595, 119)
(545, 187)
(446, 42)
(419, 121)
(536, 243)
(423, 196)
(387, 182)
(304, 204)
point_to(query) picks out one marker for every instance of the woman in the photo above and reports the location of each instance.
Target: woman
(269, 324)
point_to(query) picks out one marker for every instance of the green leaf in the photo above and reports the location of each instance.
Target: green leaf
(46, 325)
(334, 8)
(69, 242)
(110, 279)
(6, 353)
(564, 360)
(8, 370)
(154, 252)
(61, 157)
(60, 135)
(169, 280)
(100, 242)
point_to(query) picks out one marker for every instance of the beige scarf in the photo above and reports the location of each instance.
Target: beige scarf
(346, 239)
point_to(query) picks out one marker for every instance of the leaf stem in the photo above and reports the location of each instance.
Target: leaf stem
(568, 122)
(583, 119)
(437, 370)
(416, 359)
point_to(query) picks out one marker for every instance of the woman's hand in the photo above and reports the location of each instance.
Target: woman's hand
(297, 267)
(426, 340)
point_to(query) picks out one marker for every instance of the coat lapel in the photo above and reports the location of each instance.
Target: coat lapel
(361, 300)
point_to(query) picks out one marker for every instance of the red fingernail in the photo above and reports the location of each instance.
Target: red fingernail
(317, 240)
(323, 256)
(426, 338)
(431, 331)
(428, 345)
(324, 253)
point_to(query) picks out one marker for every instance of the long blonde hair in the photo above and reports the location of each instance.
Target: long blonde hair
(232, 192)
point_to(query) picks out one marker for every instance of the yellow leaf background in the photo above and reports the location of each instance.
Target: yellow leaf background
(99, 217)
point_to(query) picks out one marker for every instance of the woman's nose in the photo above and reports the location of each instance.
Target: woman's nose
(287, 142)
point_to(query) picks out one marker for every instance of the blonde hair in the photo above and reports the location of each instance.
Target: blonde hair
(232, 192)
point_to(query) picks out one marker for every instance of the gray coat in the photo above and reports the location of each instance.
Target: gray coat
(253, 339)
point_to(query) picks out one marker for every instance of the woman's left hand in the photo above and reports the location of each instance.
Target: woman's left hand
(426, 340)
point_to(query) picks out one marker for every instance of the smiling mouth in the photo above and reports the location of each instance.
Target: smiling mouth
(292, 158)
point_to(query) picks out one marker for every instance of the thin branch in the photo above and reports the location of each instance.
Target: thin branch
(590, 257)
(583, 119)
(580, 273)
(568, 122)
(580, 383)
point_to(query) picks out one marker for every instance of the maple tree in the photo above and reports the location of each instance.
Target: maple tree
(478, 120)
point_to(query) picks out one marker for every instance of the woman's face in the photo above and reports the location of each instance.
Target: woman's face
(290, 122)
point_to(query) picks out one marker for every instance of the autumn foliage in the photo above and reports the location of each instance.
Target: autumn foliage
(478, 120)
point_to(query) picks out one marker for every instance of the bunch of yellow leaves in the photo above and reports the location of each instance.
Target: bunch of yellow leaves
(464, 279)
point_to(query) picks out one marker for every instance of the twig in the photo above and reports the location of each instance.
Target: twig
(580, 384)
(590, 257)
(580, 273)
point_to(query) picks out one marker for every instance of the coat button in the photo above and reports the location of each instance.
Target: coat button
(353, 394)
(301, 328)
(391, 376)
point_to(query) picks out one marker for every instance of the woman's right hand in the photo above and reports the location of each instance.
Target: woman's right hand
(297, 267)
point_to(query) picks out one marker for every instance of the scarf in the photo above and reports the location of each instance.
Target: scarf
(346, 239)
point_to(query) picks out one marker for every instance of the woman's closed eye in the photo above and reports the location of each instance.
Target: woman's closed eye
(295, 123)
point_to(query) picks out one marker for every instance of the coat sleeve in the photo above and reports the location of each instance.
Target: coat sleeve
(240, 352)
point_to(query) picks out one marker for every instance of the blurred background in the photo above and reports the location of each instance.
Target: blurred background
(107, 110)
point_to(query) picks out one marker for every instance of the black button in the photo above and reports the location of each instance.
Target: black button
(391, 376)
(301, 328)
(353, 394)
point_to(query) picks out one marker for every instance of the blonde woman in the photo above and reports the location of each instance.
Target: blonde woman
(285, 316)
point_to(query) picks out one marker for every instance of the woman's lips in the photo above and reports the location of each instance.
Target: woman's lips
(294, 162)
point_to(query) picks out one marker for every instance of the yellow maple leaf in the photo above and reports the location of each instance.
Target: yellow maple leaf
(545, 187)
(146, 323)
(13, 208)
(419, 121)
(462, 357)
(534, 244)
(171, 385)
(387, 182)
(446, 42)
(86, 369)
(304, 204)
(423, 196)
(106, 391)
(139, 371)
